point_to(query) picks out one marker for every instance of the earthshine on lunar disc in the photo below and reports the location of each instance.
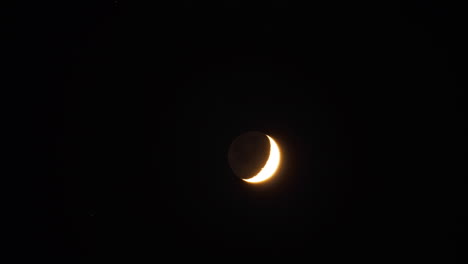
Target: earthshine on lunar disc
(254, 157)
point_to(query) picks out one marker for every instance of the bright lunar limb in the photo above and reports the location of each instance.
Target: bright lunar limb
(271, 165)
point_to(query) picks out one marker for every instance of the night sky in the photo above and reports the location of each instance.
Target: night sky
(137, 106)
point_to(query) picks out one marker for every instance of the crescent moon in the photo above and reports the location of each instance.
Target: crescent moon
(271, 165)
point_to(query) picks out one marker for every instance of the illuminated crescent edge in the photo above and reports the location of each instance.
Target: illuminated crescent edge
(271, 165)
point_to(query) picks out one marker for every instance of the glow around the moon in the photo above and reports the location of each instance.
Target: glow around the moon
(271, 165)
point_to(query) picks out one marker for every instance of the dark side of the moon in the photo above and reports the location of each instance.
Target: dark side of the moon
(248, 154)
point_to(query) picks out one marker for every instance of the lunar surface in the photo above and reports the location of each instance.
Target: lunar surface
(254, 157)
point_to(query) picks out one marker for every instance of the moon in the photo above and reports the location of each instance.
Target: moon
(254, 157)
(271, 165)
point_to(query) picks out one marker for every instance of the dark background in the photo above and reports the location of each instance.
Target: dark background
(135, 105)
